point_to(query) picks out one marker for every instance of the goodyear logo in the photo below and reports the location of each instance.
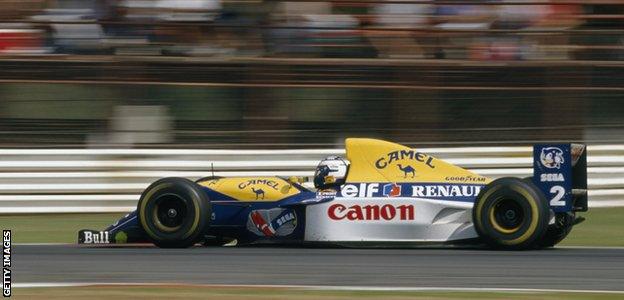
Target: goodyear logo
(401, 155)
(467, 178)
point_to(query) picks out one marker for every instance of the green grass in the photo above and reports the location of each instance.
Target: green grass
(227, 293)
(603, 227)
(54, 228)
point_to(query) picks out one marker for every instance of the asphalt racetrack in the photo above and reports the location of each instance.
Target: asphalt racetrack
(562, 268)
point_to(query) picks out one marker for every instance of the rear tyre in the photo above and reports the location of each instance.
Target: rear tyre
(174, 212)
(559, 230)
(510, 213)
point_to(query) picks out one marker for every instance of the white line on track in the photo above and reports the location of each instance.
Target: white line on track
(320, 287)
(593, 247)
(42, 244)
(113, 246)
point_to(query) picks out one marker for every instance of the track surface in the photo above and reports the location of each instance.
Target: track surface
(599, 269)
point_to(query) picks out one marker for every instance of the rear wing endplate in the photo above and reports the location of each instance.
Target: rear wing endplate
(560, 172)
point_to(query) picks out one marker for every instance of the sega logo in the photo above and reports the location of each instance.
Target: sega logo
(272, 222)
(552, 177)
(285, 218)
(372, 212)
(552, 157)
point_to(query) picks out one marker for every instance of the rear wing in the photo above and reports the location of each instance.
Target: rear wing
(560, 172)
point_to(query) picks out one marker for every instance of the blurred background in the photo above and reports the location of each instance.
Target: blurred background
(305, 74)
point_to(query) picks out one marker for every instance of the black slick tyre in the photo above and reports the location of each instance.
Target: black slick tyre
(174, 212)
(558, 231)
(510, 213)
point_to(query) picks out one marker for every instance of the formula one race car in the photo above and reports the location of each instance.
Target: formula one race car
(388, 195)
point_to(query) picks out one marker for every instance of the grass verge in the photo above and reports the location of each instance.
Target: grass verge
(603, 227)
(223, 293)
(53, 228)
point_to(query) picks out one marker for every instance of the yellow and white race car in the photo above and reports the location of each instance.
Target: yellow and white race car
(381, 194)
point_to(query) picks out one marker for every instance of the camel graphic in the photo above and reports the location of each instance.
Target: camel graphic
(258, 193)
(407, 170)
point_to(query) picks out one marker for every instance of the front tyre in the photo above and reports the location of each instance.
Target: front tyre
(510, 213)
(174, 212)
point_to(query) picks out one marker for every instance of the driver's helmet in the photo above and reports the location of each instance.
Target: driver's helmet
(331, 172)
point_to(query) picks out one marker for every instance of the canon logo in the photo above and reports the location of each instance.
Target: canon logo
(370, 212)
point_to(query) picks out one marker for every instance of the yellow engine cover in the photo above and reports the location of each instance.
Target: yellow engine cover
(380, 161)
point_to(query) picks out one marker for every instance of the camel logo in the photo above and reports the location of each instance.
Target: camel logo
(258, 192)
(407, 170)
(552, 157)
(405, 155)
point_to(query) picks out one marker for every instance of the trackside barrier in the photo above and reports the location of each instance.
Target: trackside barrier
(111, 180)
